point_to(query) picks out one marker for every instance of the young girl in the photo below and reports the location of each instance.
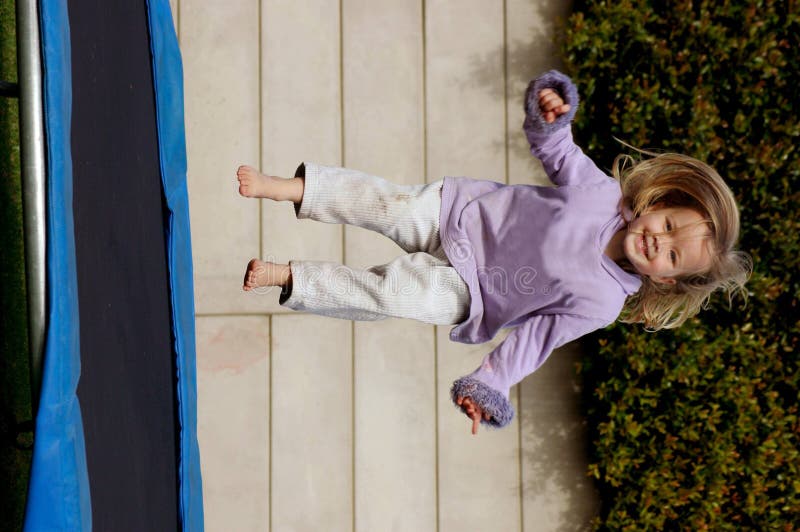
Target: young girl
(649, 245)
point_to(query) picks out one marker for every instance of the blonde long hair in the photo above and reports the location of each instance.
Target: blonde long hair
(680, 181)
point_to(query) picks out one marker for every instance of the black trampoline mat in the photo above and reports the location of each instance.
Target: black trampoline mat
(127, 384)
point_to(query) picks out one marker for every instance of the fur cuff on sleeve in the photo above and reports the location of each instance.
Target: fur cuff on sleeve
(552, 79)
(489, 399)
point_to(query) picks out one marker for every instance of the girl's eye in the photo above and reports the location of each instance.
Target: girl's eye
(673, 257)
(669, 226)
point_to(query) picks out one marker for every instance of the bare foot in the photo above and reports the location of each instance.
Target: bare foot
(254, 184)
(262, 274)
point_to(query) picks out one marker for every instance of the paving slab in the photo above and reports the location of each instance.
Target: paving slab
(219, 41)
(233, 421)
(312, 423)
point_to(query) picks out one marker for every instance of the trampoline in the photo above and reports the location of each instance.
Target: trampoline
(115, 443)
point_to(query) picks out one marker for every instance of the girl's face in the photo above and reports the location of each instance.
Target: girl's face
(664, 242)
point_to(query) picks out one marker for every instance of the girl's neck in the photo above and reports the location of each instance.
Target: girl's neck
(615, 250)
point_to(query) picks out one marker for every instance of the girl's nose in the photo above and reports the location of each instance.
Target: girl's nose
(661, 240)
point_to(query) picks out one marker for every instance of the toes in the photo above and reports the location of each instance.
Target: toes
(253, 184)
(255, 269)
(246, 282)
(245, 173)
(249, 274)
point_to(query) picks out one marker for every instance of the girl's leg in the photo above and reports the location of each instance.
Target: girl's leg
(416, 286)
(408, 214)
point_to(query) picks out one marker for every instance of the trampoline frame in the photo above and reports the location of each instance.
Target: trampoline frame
(32, 168)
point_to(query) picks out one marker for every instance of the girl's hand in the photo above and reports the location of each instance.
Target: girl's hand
(472, 411)
(552, 105)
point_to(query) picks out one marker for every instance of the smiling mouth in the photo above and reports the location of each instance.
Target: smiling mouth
(643, 246)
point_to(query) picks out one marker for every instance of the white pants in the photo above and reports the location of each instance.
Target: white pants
(420, 285)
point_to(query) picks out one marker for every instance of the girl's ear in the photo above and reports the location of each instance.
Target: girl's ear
(626, 210)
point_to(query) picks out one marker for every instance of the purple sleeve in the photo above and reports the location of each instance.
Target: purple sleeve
(521, 353)
(563, 161)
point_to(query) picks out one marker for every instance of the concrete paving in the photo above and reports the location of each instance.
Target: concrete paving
(309, 423)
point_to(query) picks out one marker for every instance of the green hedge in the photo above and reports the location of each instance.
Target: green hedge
(697, 428)
(15, 403)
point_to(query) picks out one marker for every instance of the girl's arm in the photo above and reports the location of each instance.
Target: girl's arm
(551, 101)
(521, 353)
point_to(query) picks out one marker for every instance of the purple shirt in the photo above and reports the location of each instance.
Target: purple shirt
(533, 258)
